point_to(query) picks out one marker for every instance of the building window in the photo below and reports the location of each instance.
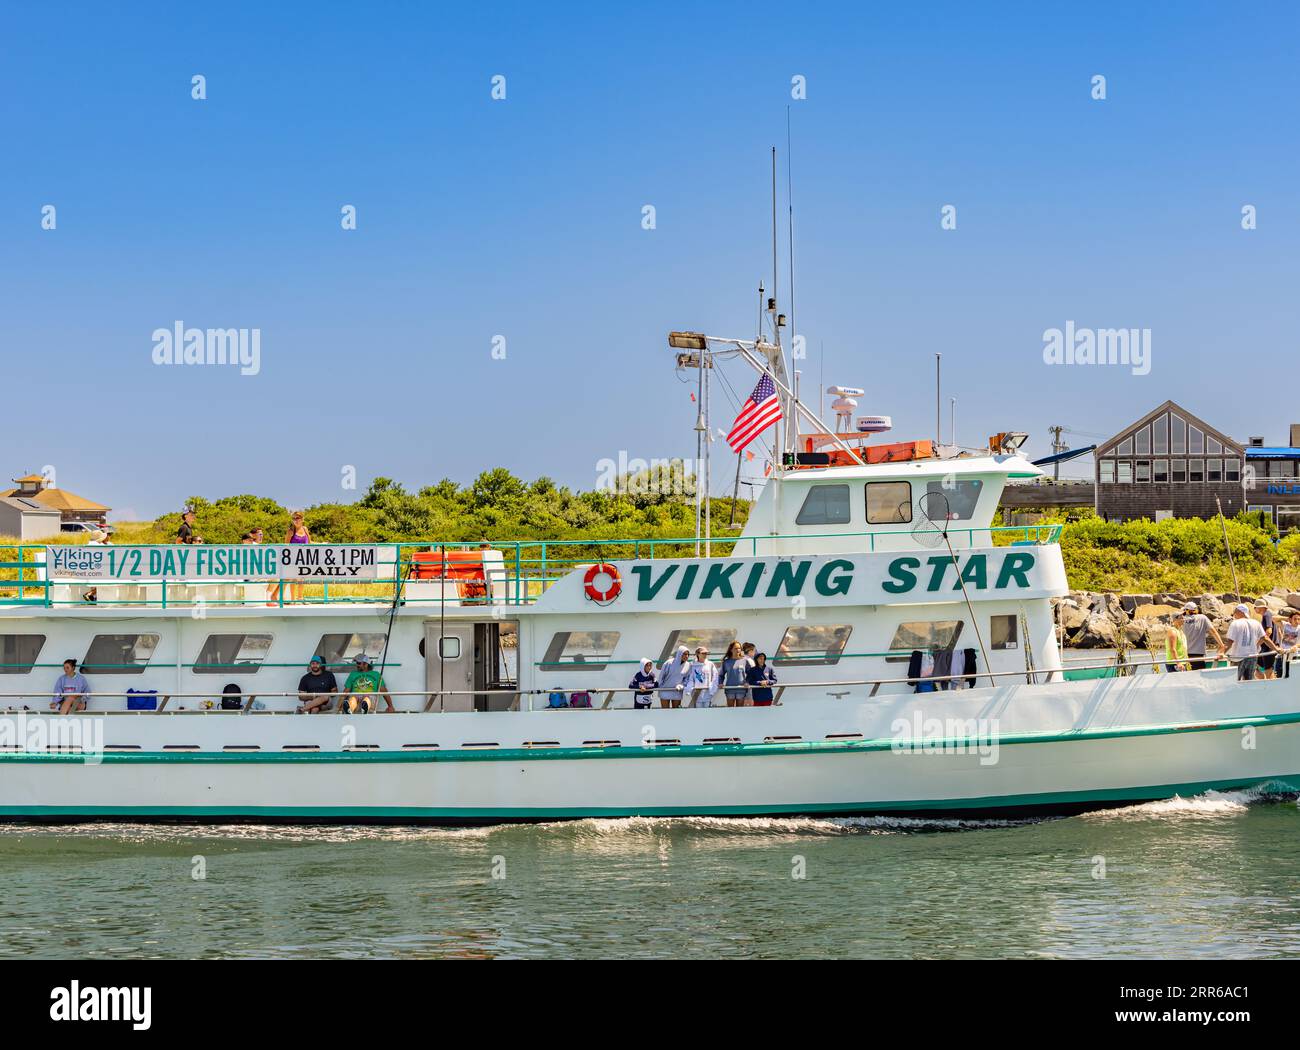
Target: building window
(1281, 468)
(959, 499)
(1142, 441)
(814, 644)
(340, 649)
(1003, 632)
(1160, 471)
(1213, 447)
(1160, 435)
(1178, 434)
(1124, 471)
(1195, 471)
(18, 652)
(1214, 470)
(1125, 447)
(1195, 440)
(1261, 508)
(1142, 471)
(1106, 471)
(119, 653)
(1288, 519)
(714, 639)
(580, 650)
(825, 505)
(889, 502)
(232, 654)
(1231, 470)
(1179, 471)
(924, 634)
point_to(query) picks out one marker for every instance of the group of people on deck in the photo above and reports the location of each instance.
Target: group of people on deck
(1254, 642)
(744, 678)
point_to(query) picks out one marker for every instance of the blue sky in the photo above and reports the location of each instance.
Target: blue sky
(522, 218)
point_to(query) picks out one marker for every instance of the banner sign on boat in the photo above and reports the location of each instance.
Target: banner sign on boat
(853, 579)
(214, 561)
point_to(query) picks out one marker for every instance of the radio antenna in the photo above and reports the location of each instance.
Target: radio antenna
(789, 196)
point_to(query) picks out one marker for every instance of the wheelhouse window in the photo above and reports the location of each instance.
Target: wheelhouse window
(814, 644)
(232, 653)
(714, 639)
(580, 650)
(119, 653)
(960, 497)
(1004, 632)
(924, 634)
(825, 505)
(18, 652)
(889, 502)
(340, 649)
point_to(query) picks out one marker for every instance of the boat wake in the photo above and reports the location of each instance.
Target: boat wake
(1209, 805)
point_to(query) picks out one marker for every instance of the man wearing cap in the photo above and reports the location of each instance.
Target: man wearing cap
(1196, 627)
(359, 691)
(1245, 636)
(1266, 660)
(316, 687)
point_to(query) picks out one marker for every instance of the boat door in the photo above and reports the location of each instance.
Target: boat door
(449, 665)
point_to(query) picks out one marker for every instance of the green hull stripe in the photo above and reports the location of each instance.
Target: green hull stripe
(1290, 782)
(536, 754)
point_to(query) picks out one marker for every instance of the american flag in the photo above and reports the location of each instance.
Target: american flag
(757, 414)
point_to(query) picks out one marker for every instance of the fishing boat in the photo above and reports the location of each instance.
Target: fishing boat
(916, 655)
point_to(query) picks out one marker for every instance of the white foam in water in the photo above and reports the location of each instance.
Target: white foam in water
(1208, 804)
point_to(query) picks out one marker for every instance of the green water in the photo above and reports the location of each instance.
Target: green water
(1214, 876)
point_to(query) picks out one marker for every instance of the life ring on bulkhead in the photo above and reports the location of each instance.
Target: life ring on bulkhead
(594, 591)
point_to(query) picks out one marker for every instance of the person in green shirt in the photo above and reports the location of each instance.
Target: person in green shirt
(362, 689)
(1176, 646)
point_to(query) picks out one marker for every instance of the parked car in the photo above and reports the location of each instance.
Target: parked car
(84, 526)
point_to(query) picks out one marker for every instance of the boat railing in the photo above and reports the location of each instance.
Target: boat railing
(514, 572)
(522, 699)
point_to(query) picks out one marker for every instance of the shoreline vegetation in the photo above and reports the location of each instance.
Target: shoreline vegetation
(1176, 556)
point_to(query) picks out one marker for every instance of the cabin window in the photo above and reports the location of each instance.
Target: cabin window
(1107, 472)
(119, 653)
(814, 644)
(18, 652)
(1003, 632)
(340, 649)
(714, 639)
(960, 497)
(580, 650)
(889, 502)
(232, 654)
(449, 647)
(825, 505)
(924, 634)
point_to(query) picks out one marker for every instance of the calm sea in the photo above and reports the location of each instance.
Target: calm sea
(1211, 876)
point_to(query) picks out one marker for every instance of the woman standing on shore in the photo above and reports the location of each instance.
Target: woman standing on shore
(298, 533)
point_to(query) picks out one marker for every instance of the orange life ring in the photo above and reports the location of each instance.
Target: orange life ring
(611, 592)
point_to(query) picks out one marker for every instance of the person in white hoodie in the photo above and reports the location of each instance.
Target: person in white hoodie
(672, 676)
(704, 679)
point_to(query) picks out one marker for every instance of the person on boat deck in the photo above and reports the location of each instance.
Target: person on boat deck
(761, 678)
(1176, 646)
(1264, 666)
(1246, 636)
(1196, 628)
(316, 687)
(70, 690)
(672, 676)
(704, 679)
(359, 691)
(1290, 639)
(644, 682)
(185, 531)
(734, 666)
